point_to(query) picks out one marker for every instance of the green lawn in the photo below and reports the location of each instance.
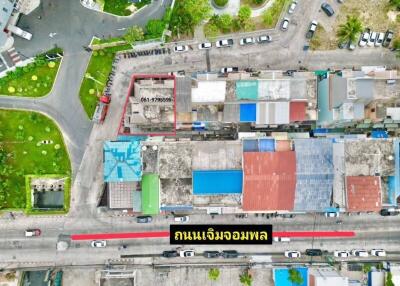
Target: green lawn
(99, 67)
(119, 7)
(21, 83)
(22, 153)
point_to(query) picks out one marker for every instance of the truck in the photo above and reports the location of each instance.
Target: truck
(101, 109)
(19, 32)
(312, 29)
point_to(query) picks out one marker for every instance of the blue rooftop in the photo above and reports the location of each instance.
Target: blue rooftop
(217, 182)
(281, 276)
(248, 112)
(122, 161)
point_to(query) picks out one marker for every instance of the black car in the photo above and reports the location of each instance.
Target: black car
(327, 9)
(144, 219)
(211, 254)
(389, 212)
(388, 38)
(313, 252)
(229, 254)
(170, 253)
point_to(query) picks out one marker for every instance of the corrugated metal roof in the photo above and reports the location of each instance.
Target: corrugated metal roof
(272, 113)
(283, 145)
(247, 89)
(248, 112)
(297, 111)
(150, 194)
(363, 193)
(269, 180)
(122, 162)
(217, 182)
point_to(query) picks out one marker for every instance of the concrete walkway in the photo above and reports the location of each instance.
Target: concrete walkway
(231, 8)
(260, 11)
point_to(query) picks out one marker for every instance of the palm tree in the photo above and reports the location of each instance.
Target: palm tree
(246, 279)
(213, 274)
(348, 31)
(295, 277)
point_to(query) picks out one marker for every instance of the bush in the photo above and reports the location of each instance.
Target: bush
(225, 22)
(258, 2)
(211, 30)
(154, 28)
(221, 3)
(95, 53)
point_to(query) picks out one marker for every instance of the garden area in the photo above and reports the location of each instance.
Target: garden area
(36, 79)
(123, 7)
(30, 144)
(254, 4)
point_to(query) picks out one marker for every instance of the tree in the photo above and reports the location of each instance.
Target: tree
(246, 279)
(348, 31)
(211, 30)
(155, 28)
(213, 274)
(244, 15)
(133, 34)
(295, 277)
(366, 268)
(395, 4)
(389, 281)
(225, 22)
(258, 2)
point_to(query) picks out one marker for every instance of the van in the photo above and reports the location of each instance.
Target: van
(19, 32)
(282, 239)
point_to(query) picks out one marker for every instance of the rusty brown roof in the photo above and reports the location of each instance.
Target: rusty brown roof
(363, 193)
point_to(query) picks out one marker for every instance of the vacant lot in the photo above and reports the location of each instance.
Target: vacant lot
(374, 14)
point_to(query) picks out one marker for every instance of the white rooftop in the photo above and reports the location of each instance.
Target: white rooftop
(209, 92)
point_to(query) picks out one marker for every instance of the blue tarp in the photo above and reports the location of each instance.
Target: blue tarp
(248, 112)
(281, 276)
(217, 182)
(379, 134)
(266, 145)
(392, 190)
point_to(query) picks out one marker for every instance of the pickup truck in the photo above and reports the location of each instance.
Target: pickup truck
(312, 29)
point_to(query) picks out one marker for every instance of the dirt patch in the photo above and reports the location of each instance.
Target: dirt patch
(252, 4)
(374, 14)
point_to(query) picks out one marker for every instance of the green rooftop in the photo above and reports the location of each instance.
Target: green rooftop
(150, 194)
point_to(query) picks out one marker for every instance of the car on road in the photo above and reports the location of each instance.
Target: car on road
(341, 253)
(313, 252)
(181, 218)
(331, 214)
(205, 46)
(98, 243)
(229, 69)
(359, 252)
(181, 48)
(144, 219)
(229, 254)
(224, 43)
(364, 38)
(285, 24)
(281, 239)
(378, 252)
(187, 253)
(247, 41)
(32, 232)
(327, 9)
(312, 29)
(170, 253)
(389, 212)
(211, 254)
(292, 7)
(264, 39)
(379, 39)
(292, 254)
(388, 38)
(371, 40)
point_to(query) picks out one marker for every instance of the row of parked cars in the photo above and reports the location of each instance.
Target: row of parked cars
(206, 254)
(370, 38)
(336, 253)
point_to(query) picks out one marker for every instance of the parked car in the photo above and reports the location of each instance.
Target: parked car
(170, 253)
(379, 39)
(389, 212)
(247, 41)
(186, 253)
(144, 219)
(282, 239)
(359, 252)
(181, 218)
(98, 243)
(372, 39)
(364, 39)
(312, 29)
(378, 252)
(229, 69)
(327, 9)
(285, 24)
(229, 254)
(211, 254)
(288, 215)
(313, 252)
(388, 38)
(181, 48)
(341, 253)
(224, 43)
(292, 7)
(205, 46)
(332, 214)
(33, 232)
(351, 46)
(292, 254)
(264, 39)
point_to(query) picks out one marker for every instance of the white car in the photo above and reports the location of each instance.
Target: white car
(224, 43)
(282, 239)
(292, 254)
(247, 41)
(186, 253)
(378, 252)
(332, 214)
(292, 7)
(379, 39)
(285, 24)
(359, 252)
(264, 39)
(181, 218)
(364, 39)
(341, 253)
(98, 243)
(205, 46)
(181, 48)
(229, 69)
(371, 40)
